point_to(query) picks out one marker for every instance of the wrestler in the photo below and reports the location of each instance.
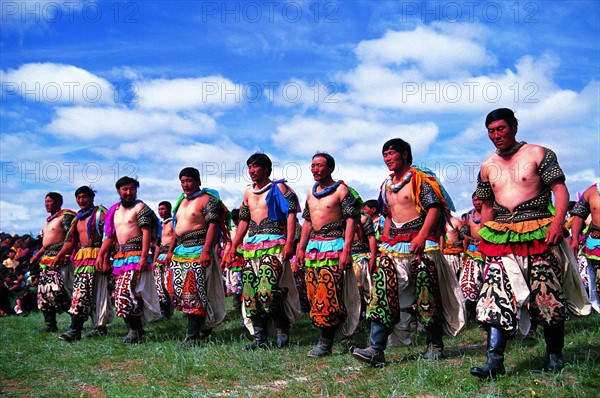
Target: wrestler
(411, 268)
(470, 277)
(160, 258)
(130, 226)
(53, 296)
(529, 269)
(325, 249)
(90, 288)
(194, 276)
(589, 204)
(267, 214)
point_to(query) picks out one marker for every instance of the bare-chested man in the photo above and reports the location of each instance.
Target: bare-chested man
(54, 261)
(471, 273)
(325, 249)
(589, 204)
(411, 267)
(527, 262)
(90, 288)
(160, 258)
(130, 225)
(197, 287)
(268, 214)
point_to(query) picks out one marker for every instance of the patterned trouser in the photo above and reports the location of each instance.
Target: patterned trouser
(261, 291)
(128, 302)
(395, 275)
(187, 286)
(52, 293)
(161, 278)
(324, 289)
(83, 294)
(541, 274)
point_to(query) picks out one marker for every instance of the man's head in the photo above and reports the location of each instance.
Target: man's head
(235, 216)
(53, 202)
(397, 154)
(322, 166)
(477, 203)
(190, 180)
(127, 189)
(259, 166)
(84, 196)
(370, 207)
(164, 209)
(502, 126)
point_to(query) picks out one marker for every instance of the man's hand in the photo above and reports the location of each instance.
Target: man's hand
(417, 246)
(300, 258)
(205, 258)
(346, 259)
(288, 250)
(554, 235)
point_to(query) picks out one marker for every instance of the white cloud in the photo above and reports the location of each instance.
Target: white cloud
(56, 84)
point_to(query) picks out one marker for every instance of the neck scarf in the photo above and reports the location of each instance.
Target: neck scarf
(475, 220)
(263, 189)
(166, 220)
(326, 191)
(397, 187)
(57, 214)
(194, 195)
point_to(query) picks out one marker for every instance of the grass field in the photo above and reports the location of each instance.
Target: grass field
(40, 365)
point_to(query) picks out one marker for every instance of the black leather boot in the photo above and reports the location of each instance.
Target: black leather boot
(49, 322)
(282, 327)
(496, 345)
(435, 343)
(374, 353)
(74, 332)
(192, 332)
(260, 334)
(554, 335)
(136, 330)
(323, 347)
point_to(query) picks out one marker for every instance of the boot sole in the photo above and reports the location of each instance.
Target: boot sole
(368, 360)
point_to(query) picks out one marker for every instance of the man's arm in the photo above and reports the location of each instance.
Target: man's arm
(561, 205)
(171, 248)
(288, 249)
(209, 244)
(102, 260)
(300, 251)
(346, 256)
(146, 242)
(230, 250)
(417, 245)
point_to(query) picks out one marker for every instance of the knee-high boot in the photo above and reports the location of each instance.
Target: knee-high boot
(193, 330)
(496, 345)
(74, 332)
(282, 327)
(136, 330)
(323, 347)
(259, 325)
(554, 335)
(49, 322)
(374, 353)
(435, 342)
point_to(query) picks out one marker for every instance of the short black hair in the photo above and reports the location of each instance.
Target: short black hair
(399, 145)
(262, 160)
(55, 196)
(235, 214)
(126, 180)
(329, 160)
(502, 114)
(372, 203)
(86, 191)
(167, 204)
(191, 172)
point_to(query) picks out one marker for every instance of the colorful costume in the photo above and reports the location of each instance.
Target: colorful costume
(522, 275)
(332, 292)
(90, 288)
(161, 275)
(361, 255)
(403, 280)
(268, 290)
(470, 278)
(197, 290)
(135, 294)
(590, 251)
(53, 292)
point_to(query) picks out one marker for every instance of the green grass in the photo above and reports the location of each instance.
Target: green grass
(40, 365)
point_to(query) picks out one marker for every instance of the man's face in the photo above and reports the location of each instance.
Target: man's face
(163, 211)
(369, 210)
(393, 159)
(257, 173)
(128, 192)
(51, 205)
(84, 201)
(501, 134)
(189, 185)
(319, 169)
(477, 203)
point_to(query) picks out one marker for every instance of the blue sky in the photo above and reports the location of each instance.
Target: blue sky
(92, 91)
